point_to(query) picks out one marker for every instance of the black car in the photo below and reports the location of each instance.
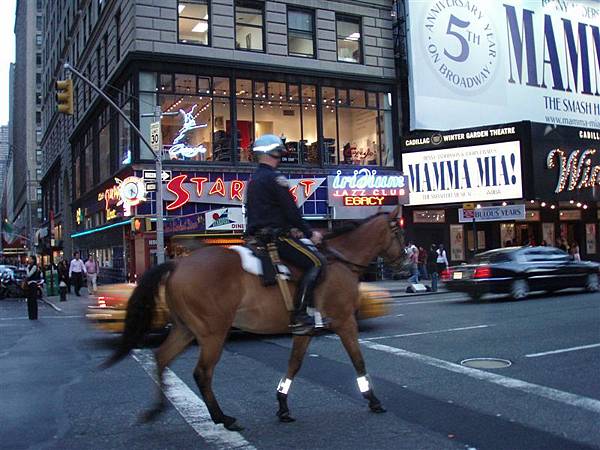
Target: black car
(519, 270)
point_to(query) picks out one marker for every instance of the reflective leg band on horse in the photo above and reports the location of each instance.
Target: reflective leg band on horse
(284, 386)
(363, 384)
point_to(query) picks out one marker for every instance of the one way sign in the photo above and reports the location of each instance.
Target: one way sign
(150, 175)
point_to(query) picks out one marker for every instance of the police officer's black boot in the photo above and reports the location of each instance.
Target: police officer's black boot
(302, 323)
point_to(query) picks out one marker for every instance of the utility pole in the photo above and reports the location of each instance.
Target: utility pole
(160, 238)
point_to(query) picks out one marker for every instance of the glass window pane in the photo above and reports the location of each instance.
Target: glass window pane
(310, 147)
(282, 120)
(330, 134)
(148, 81)
(77, 174)
(385, 100)
(193, 22)
(245, 130)
(248, 14)
(248, 38)
(221, 86)
(309, 93)
(357, 98)
(371, 100)
(293, 92)
(300, 20)
(89, 166)
(300, 44)
(185, 84)
(260, 89)
(243, 88)
(104, 152)
(166, 82)
(124, 138)
(387, 142)
(348, 40)
(147, 106)
(358, 136)
(203, 86)
(342, 97)
(328, 94)
(221, 150)
(187, 136)
(276, 91)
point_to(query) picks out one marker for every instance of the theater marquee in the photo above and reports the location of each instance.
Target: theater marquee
(476, 173)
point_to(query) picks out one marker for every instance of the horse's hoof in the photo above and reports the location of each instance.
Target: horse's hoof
(285, 417)
(377, 408)
(150, 415)
(235, 426)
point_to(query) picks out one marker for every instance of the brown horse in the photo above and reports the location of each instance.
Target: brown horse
(209, 293)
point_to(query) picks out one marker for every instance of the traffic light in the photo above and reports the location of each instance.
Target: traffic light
(141, 225)
(64, 96)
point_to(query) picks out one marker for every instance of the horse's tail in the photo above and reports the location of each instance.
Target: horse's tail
(140, 310)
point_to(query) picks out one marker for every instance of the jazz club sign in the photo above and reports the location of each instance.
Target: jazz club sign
(184, 189)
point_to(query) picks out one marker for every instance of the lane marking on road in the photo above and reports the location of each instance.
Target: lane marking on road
(425, 301)
(43, 317)
(449, 330)
(191, 407)
(562, 350)
(578, 401)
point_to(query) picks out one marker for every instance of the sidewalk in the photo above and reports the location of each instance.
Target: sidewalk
(397, 288)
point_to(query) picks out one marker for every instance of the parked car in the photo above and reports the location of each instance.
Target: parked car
(519, 270)
(108, 314)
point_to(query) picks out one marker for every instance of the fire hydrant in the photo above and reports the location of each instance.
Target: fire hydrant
(62, 288)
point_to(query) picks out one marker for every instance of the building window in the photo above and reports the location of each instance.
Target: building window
(104, 145)
(194, 22)
(249, 26)
(118, 35)
(357, 127)
(349, 42)
(301, 40)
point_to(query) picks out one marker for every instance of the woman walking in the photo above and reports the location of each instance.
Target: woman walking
(33, 276)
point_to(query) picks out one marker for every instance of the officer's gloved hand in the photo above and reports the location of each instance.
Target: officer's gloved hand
(316, 238)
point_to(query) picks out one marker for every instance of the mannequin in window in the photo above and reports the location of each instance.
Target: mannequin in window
(347, 153)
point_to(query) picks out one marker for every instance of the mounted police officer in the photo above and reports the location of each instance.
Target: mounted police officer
(270, 206)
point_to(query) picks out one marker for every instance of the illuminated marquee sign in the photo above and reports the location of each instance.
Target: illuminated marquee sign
(575, 171)
(182, 190)
(366, 189)
(129, 192)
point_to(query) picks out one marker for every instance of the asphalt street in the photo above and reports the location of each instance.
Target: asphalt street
(53, 396)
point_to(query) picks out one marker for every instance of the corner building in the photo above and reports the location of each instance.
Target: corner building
(319, 74)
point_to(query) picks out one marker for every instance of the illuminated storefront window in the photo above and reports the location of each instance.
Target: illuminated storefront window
(197, 126)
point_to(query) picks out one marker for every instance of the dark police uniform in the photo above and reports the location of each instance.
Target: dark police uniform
(270, 205)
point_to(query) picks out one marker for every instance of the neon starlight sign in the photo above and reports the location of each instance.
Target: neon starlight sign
(574, 171)
(180, 148)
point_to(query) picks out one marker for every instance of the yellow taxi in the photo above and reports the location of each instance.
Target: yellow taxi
(108, 314)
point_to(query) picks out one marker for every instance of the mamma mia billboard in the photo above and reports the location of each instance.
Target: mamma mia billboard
(483, 62)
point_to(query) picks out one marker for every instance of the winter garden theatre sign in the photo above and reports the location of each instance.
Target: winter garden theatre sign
(475, 173)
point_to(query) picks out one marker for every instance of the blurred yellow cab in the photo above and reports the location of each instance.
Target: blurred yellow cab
(108, 314)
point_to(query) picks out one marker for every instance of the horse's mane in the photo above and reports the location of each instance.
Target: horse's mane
(350, 226)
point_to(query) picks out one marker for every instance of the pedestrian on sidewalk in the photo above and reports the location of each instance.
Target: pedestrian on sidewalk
(432, 266)
(63, 273)
(413, 261)
(76, 271)
(441, 259)
(422, 264)
(33, 276)
(91, 269)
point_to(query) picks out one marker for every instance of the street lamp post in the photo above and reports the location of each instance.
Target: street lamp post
(160, 238)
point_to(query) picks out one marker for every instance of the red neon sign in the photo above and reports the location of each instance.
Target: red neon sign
(237, 187)
(175, 186)
(199, 184)
(371, 200)
(218, 187)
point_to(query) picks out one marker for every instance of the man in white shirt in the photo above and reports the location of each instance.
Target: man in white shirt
(76, 271)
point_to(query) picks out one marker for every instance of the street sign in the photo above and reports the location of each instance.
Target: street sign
(150, 187)
(467, 206)
(150, 175)
(156, 137)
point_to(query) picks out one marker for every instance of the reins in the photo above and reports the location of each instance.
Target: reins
(337, 255)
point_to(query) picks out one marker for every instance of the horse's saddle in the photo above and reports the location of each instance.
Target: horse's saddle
(256, 260)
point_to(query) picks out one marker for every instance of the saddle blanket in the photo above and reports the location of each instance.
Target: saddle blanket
(252, 264)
